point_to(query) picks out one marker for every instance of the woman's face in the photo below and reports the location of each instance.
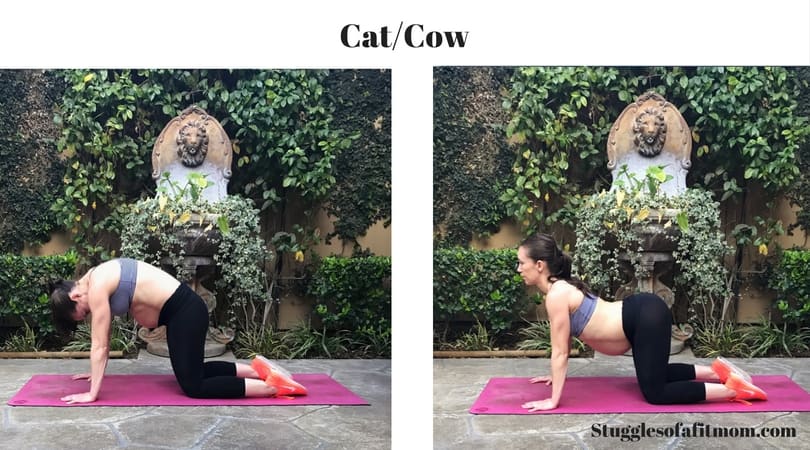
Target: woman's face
(79, 295)
(528, 268)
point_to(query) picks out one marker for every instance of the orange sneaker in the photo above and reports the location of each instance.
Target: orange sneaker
(276, 376)
(284, 384)
(745, 390)
(264, 366)
(723, 367)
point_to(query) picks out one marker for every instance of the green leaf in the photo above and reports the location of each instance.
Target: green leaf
(222, 224)
(683, 221)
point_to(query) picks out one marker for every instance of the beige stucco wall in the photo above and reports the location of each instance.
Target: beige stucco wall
(377, 239)
(294, 309)
(59, 243)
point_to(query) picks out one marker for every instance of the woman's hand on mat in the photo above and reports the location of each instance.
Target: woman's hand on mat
(541, 379)
(81, 376)
(539, 405)
(85, 397)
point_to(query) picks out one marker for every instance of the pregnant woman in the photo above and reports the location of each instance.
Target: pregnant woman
(153, 298)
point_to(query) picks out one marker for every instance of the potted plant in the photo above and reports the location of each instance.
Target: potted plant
(634, 223)
(179, 223)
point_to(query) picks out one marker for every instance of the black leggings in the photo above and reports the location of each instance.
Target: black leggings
(647, 323)
(186, 318)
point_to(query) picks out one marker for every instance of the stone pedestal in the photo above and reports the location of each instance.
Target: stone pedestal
(655, 266)
(156, 342)
(193, 143)
(651, 132)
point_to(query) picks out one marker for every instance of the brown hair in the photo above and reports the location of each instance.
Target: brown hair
(62, 307)
(543, 247)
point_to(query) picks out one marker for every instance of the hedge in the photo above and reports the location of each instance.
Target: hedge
(24, 287)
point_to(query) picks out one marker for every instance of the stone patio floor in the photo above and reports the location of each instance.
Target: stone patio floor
(458, 382)
(219, 427)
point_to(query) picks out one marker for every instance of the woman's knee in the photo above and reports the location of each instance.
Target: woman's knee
(655, 395)
(656, 398)
(192, 389)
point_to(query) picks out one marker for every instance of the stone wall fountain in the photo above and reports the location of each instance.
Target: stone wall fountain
(652, 132)
(194, 143)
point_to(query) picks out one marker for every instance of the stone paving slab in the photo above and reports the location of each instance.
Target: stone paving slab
(216, 427)
(458, 382)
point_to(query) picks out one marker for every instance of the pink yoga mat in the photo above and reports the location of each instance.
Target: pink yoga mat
(163, 390)
(599, 395)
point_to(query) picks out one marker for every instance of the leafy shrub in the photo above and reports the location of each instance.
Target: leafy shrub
(483, 283)
(768, 339)
(22, 341)
(718, 338)
(240, 251)
(791, 279)
(123, 337)
(353, 293)
(256, 339)
(478, 338)
(24, 287)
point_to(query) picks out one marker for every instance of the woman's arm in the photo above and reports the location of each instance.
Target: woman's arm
(557, 308)
(101, 317)
(560, 344)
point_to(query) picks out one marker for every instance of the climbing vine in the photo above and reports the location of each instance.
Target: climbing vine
(280, 123)
(471, 160)
(745, 128)
(361, 195)
(30, 168)
(799, 192)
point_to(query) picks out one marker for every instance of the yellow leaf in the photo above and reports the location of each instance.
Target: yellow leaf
(619, 197)
(529, 210)
(546, 198)
(172, 215)
(643, 214)
(629, 212)
(299, 256)
(660, 216)
(151, 228)
(609, 225)
(93, 205)
(89, 77)
(75, 165)
(235, 148)
(526, 154)
(162, 200)
(185, 217)
(78, 218)
(668, 224)
(209, 227)
(763, 249)
(695, 136)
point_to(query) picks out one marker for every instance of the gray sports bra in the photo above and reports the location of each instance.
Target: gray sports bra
(121, 299)
(582, 315)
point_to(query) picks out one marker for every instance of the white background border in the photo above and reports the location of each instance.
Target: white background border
(256, 34)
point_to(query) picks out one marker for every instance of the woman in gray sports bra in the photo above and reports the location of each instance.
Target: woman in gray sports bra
(641, 322)
(154, 298)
